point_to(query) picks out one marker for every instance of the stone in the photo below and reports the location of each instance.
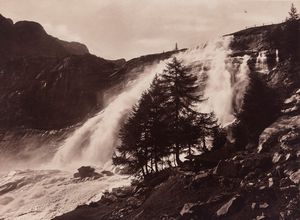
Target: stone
(123, 192)
(231, 206)
(276, 157)
(110, 198)
(271, 182)
(107, 173)
(295, 177)
(264, 205)
(187, 208)
(134, 202)
(227, 169)
(200, 179)
(87, 172)
(261, 217)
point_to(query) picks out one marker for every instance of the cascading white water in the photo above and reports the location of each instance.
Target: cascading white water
(241, 82)
(94, 142)
(277, 56)
(227, 78)
(43, 194)
(261, 64)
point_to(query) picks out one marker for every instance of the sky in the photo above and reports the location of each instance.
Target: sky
(130, 28)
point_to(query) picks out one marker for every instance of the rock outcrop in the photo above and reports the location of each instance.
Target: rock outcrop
(47, 83)
(87, 172)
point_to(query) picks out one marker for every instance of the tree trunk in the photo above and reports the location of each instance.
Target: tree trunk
(143, 172)
(190, 150)
(178, 161)
(204, 144)
(146, 168)
(155, 159)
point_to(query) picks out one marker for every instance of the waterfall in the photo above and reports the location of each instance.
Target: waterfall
(277, 56)
(49, 193)
(261, 64)
(94, 142)
(241, 83)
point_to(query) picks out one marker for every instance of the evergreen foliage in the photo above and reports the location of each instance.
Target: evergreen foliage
(164, 123)
(293, 13)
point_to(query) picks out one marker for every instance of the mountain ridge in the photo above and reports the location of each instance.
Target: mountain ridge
(43, 78)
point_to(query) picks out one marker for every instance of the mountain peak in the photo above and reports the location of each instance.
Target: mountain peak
(28, 38)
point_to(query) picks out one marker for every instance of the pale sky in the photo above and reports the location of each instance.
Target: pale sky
(129, 28)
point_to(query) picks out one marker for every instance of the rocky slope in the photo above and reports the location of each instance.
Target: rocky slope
(257, 181)
(47, 83)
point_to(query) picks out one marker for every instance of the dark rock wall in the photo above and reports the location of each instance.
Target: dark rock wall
(47, 83)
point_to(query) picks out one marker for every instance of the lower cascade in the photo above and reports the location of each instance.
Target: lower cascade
(39, 193)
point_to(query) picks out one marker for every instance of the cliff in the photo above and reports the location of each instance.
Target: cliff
(47, 83)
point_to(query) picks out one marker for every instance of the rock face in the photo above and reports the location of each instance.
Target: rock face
(231, 206)
(47, 83)
(26, 38)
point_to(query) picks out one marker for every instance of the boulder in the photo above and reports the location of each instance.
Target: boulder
(233, 205)
(123, 192)
(227, 169)
(109, 198)
(107, 173)
(187, 208)
(264, 205)
(87, 171)
(134, 202)
(295, 177)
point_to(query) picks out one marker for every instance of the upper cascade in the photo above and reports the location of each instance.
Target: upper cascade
(224, 78)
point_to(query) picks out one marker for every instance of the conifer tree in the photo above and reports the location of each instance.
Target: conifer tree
(133, 152)
(181, 89)
(206, 123)
(144, 137)
(293, 13)
(157, 124)
(164, 122)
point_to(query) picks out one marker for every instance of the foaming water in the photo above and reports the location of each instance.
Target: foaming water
(226, 78)
(44, 194)
(241, 82)
(94, 142)
(261, 62)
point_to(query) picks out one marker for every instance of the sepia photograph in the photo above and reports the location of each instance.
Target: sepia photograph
(149, 110)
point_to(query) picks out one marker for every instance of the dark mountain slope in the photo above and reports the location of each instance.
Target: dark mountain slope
(47, 83)
(26, 38)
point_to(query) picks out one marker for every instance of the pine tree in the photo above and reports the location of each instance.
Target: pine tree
(157, 125)
(292, 39)
(219, 137)
(144, 137)
(206, 123)
(128, 154)
(293, 13)
(134, 152)
(164, 122)
(180, 86)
